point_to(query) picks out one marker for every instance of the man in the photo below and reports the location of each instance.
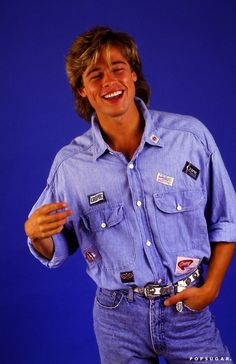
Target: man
(146, 196)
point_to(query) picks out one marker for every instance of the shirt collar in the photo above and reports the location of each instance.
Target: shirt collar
(99, 145)
(151, 135)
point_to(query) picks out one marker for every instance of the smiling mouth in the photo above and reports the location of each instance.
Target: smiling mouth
(113, 95)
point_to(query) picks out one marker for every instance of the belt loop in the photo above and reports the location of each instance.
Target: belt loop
(130, 295)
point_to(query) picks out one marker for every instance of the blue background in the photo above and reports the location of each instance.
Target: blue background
(189, 58)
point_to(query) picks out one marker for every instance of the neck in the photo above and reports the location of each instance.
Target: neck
(123, 134)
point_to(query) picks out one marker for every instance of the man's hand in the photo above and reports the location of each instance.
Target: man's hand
(198, 298)
(46, 221)
(195, 298)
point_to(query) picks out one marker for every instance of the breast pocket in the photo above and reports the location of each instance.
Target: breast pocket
(107, 229)
(180, 220)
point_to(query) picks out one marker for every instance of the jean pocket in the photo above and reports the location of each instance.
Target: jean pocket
(108, 299)
(190, 309)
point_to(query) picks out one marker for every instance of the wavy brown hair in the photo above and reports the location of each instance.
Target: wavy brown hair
(84, 52)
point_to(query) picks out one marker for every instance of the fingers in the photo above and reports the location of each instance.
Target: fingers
(48, 233)
(47, 220)
(178, 297)
(51, 207)
(52, 226)
(181, 297)
(190, 296)
(53, 217)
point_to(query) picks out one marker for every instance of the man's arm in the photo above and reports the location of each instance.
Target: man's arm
(45, 222)
(198, 298)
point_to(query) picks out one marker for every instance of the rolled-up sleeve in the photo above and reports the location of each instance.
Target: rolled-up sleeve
(65, 243)
(221, 204)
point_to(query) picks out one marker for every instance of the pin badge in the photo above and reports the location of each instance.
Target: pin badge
(154, 138)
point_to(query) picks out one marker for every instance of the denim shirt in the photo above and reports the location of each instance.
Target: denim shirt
(150, 219)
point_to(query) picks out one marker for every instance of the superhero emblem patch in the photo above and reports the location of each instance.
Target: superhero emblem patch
(186, 265)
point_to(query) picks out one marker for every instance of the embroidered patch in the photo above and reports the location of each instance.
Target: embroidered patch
(165, 180)
(186, 265)
(127, 277)
(91, 255)
(191, 170)
(96, 198)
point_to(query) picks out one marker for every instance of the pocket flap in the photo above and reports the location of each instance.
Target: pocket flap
(178, 201)
(101, 219)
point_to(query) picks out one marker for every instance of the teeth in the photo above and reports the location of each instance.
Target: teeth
(113, 94)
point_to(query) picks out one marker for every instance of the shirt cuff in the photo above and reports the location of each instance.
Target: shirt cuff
(61, 252)
(222, 232)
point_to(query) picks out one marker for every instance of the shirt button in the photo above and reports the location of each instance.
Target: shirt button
(179, 208)
(139, 203)
(131, 166)
(148, 243)
(103, 225)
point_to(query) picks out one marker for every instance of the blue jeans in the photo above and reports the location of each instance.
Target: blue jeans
(132, 329)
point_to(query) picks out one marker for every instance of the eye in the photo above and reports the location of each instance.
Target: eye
(96, 76)
(118, 69)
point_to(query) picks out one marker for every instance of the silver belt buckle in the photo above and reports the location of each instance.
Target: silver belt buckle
(149, 291)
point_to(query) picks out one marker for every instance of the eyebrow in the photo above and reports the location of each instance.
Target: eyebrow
(95, 68)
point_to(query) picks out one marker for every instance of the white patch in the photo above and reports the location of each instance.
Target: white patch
(165, 180)
(186, 265)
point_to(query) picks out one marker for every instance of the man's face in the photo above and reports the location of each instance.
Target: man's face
(109, 84)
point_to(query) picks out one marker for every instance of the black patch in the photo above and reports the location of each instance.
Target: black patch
(191, 170)
(96, 198)
(127, 277)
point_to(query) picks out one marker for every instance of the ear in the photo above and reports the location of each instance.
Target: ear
(134, 76)
(82, 92)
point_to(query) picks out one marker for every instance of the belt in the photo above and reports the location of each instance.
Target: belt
(154, 291)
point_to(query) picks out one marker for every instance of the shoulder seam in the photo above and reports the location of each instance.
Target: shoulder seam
(201, 135)
(62, 161)
(195, 134)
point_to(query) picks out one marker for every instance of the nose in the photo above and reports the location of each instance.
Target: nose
(108, 78)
